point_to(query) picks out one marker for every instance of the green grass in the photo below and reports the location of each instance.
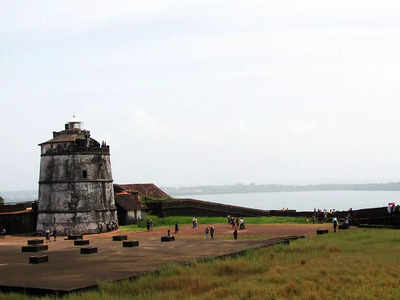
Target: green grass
(169, 221)
(353, 264)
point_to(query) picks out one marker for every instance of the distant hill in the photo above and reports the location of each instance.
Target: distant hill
(265, 188)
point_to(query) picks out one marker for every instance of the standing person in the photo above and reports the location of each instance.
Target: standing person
(335, 223)
(176, 228)
(389, 208)
(212, 231)
(235, 234)
(55, 234)
(3, 231)
(47, 235)
(194, 222)
(151, 224)
(148, 224)
(207, 231)
(241, 224)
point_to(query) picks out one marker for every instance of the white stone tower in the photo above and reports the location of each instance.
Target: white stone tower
(75, 187)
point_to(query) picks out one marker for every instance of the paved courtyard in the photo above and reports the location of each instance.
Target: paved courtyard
(68, 270)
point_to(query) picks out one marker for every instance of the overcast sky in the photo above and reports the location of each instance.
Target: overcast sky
(206, 91)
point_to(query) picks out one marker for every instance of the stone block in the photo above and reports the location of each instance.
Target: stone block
(167, 238)
(119, 237)
(38, 259)
(322, 231)
(35, 242)
(81, 242)
(88, 250)
(130, 244)
(34, 248)
(75, 237)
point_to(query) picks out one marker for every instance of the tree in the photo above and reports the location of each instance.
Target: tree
(1, 200)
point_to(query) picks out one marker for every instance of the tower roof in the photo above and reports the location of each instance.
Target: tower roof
(63, 138)
(72, 132)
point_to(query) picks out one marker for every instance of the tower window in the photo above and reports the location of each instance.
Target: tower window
(84, 174)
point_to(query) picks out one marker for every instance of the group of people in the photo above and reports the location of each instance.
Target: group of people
(322, 215)
(392, 208)
(108, 227)
(210, 231)
(236, 222)
(49, 233)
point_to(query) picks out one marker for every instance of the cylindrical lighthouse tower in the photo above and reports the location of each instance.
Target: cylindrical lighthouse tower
(75, 186)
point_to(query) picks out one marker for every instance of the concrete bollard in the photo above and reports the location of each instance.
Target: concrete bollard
(322, 231)
(35, 248)
(35, 242)
(38, 259)
(81, 242)
(167, 238)
(119, 238)
(88, 250)
(130, 244)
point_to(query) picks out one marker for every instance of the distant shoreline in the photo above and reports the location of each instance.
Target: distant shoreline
(31, 195)
(276, 188)
(270, 192)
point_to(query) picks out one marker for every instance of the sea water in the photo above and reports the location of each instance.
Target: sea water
(305, 201)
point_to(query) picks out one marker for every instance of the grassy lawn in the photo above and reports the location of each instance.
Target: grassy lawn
(211, 220)
(353, 264)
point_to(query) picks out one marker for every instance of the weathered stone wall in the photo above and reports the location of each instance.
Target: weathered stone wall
(191, 207)
(75, 193)
(17, 223)
(54, 168)
(79, 222)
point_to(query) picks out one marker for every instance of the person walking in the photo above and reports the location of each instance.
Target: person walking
(47, 235)
(148, 224)
(235, 234)
(176, 228)
(335, 223)
(194, 222)
(212, 231)
(55, 234)
(207, 232)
